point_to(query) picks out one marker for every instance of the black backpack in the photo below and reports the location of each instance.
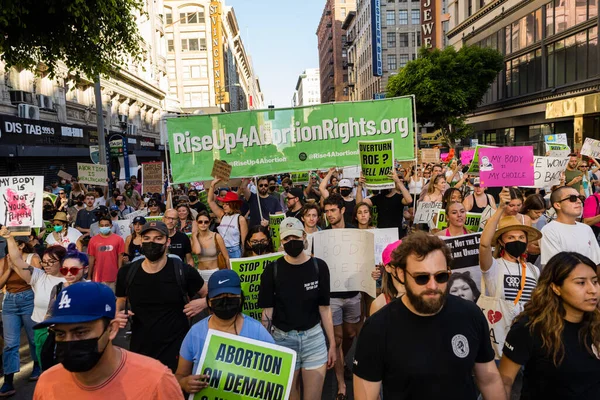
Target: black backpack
(179, 277)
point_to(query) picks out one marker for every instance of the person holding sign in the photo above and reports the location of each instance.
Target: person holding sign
(233, 228)
(573, 176)
(225, 302)
(294, 296)
(261, 205)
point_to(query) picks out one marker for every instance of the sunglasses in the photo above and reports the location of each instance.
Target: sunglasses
(573, 198)
(203, 222)
(423, 279)
(73, 270)
(263, 185)
(51, 262)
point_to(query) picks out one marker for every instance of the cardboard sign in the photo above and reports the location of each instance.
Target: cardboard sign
(465, 255)
(153, 177)
(244, 369)
(221, 170)
(466, 156)
(591, 148)
(93, 174)
(351, 173)
(21, 200)
(430, 156)
(383, 237)
(471, 222)
(65, 175)
(425, 211)
(548, 171)
(274, 222)
(506, 166)
(349, 254)
(377, 162)
(250, 270)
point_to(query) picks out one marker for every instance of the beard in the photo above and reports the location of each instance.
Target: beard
(426, 306)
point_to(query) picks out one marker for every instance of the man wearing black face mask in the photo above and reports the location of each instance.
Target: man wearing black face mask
(159, 289)
(90, 365)
(194, 203)
(74, 209)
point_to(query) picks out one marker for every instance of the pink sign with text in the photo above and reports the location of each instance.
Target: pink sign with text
(466, 156)
(506, 166)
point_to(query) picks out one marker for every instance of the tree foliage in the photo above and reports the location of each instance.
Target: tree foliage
(448, 85)
(90, 36)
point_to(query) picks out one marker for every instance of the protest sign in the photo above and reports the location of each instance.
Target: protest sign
(153, 177)
(156, 218)
(383, 237)
(299, 178)
(506, 166)
(139, 213)
(243, 369)
(65, 175)
(486, 214)
(123, 228)
(50, 196)
(548, 171)
(557, 150)
(560, 138)
(591, 148)
(203, 198)
(465, 255)
(250, 270)
(466, 156)
(351, 173)
(266, 142)
(92, 174)
(474, 167)
(377, 162)
(21, 201)
(472, 221)
(430, 156)
(221, 170)
(350, 255)
(425, 211)
(274, 221)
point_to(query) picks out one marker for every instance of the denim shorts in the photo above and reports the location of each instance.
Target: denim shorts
(345, 310)
(309, 345)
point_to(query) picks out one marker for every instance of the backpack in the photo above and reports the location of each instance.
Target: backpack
(179, 277)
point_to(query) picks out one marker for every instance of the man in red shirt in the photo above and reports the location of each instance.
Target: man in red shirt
(106, 254)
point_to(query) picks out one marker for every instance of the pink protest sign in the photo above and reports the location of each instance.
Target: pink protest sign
(506, 166)
(466, 156)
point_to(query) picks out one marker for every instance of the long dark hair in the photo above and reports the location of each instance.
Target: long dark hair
(546, 311)
(355, 213)
(57, 252)
(533, 202)
(252, 231)
(465, 277)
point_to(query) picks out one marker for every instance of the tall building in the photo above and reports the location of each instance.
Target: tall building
(550, 80)
(208, 66)
(308, 88)
(333, 57)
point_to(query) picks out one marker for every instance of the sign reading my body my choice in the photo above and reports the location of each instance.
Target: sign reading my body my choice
(261, 142)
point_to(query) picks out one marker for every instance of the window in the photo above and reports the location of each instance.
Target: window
(391, 62)
(169, 18)
(403, 17)
(194, 15)
(391, 39)
(184, 44)
(343, 12)
(193, 44)
(403, 40)
(403, 60)
(415, 17)
(170, 46)
(344, 53)
(390, 17)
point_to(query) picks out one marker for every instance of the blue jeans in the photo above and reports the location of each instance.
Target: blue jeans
(234, 252)
(16, 313)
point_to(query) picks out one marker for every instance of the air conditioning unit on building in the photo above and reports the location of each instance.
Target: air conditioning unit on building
(45, 102)
(122, 118)
(20, 96)
(132, 130)
(28, 111)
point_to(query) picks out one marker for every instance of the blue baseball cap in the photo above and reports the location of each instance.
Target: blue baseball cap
(82, 302)
(224, 281)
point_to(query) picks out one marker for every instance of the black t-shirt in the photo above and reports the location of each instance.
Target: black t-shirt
(180, 245)
(297, 294)
(269, 205)
(295, 214)
(577, 377)
(198, 206)
(424, 357)
(159, 324)
(349, 211)
(390, 211)
(85, 218)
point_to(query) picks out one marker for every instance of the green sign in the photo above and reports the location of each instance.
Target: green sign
(274, 222)
(377, 162)
(250, 270)
(299, 178)
(474, 167)
(265, 142)
(242, 368)
(203, 198)
(157, 218)
(471, 221)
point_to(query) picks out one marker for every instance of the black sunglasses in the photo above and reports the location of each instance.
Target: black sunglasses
(423, 279)
(573, 198)
(263, 185)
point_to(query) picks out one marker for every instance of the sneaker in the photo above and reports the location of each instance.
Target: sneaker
(35, 374)
(7, 390)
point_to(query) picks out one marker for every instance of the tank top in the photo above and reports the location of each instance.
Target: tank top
(15, 284)
(209, 253)
(464, 232)
(415, 187)
(476, 208)
(229, 229)
(133, 248)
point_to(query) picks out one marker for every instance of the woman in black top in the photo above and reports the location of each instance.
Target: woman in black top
(133, 243)
(557, 336)
(294, 296)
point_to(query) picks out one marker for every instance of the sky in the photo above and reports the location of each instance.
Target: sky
(280, 36)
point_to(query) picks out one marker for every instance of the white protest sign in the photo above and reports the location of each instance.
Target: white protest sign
(139, 213)
(93, 174)
(485, 215)
(350, 256)
(383, 237)
(591, 148)
(548, 170)
(123, 228)
(21, 201)
(425, 211)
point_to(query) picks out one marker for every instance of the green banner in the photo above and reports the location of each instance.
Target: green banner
(264, 142)
(203, 198)
(471, 221)
(242, 368)
(377, 162)
(474, 167)
(250, 270)
(274, 222)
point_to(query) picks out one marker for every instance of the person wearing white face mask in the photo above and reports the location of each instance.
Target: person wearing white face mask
(106, 254)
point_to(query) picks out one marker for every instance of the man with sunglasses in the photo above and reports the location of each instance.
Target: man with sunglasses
(259, 213)
(565, 233)
(427, 344)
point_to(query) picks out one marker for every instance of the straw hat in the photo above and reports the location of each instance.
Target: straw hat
(60, 216)
(511, 223)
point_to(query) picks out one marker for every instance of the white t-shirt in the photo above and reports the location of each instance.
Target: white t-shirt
(559, 237)
(511, 280)
(72, 236)
(42, 285)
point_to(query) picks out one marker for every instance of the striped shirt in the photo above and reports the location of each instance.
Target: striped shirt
(511, 280)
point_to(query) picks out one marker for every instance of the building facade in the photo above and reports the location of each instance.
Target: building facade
(550, 79)
(333, 50)
(308, 88)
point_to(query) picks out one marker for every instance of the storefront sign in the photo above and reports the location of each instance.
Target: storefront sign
(15, 130)
(376, 38)
(428, 24)
(71, 132)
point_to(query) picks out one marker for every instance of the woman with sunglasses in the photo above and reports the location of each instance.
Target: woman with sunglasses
(62, 201)
(233, 227)
(391, 287)
(154, 208)
(62, 234)
(74, 267)
(258, 242)
(557, 337)
(207, 245)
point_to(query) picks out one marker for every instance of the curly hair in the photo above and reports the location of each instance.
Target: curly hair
(546, 311)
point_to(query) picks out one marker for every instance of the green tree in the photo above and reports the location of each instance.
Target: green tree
(90, 36)
(448, 85)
